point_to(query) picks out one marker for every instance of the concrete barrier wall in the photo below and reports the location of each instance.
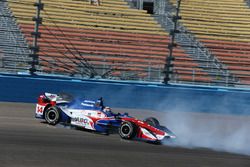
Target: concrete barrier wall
(14, 88)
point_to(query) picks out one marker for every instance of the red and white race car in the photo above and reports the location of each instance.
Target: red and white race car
(93, 115)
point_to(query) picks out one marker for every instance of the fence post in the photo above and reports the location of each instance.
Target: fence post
(168, 68)
(36, 34)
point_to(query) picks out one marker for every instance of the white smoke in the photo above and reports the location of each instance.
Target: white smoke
(229, 133)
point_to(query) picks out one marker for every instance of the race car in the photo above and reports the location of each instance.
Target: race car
(94, 116)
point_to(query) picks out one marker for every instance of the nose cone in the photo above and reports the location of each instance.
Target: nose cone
(169, 135)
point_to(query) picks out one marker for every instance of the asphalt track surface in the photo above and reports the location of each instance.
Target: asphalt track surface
(25, 141)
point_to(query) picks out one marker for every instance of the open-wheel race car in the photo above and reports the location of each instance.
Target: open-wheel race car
(93, 115)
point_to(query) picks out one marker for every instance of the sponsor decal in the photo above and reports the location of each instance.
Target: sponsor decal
(86, 104)
(80, 120)
(88, 101)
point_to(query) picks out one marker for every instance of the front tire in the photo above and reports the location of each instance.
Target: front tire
(152, 121)
(127, 130)
(52, 115)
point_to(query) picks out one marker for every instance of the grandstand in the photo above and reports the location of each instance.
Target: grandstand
(117, 41)
(223, 28)
(104, 41)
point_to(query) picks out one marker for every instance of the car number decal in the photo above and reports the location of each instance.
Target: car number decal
(39, 109)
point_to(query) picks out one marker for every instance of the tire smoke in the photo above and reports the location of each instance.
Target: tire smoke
(228, 133)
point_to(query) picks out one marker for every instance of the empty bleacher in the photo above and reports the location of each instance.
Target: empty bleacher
(223, 27)
(110, 39)
(14, 52)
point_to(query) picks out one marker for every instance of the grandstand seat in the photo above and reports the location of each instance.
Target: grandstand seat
(110, 36)
(222, 27)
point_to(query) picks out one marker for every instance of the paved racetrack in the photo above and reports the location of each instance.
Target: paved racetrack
(25, 141)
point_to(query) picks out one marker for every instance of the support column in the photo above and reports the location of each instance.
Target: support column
(36, 34)
(168, 68)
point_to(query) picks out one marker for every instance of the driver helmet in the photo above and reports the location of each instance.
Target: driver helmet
(107, 109)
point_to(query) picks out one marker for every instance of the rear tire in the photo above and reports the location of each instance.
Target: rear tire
(127, 130)
(52, 115)
(152, 121)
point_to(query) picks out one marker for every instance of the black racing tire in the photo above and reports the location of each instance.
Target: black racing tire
(127, 130)
(152, 121)
(52, 115)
